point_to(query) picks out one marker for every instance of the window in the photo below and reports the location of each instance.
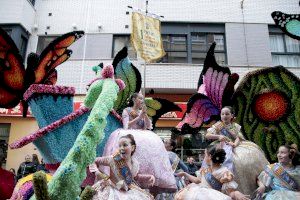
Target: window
(119, 42)
(43, 42)
(90, 46)
(201, 43)
(4, 134)
(175, 47)
(23, 46)
(285, 50)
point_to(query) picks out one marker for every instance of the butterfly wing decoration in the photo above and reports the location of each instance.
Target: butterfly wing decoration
(15, 79)
(288, 23)
(131, 76)
(156, 107)
(12, 72)
(54, 54)
(215, 89)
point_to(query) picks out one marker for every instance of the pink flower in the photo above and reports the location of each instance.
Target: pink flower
(121, 84)
(107, 71)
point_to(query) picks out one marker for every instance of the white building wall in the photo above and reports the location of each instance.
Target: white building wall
(248, 44)
(17, 12)
(111, 14)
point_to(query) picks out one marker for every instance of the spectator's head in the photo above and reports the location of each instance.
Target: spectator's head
(201, 157)
(28, 158)
(35, 159)
(191, 160)
(169, 144)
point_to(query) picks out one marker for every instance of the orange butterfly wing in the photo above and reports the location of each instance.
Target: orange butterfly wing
(55, 54)
(12, 72)
(52, 78)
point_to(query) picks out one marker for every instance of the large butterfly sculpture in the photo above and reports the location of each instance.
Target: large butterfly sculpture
(215, 89)
(15, 79)
(288, 23)
(125, 70)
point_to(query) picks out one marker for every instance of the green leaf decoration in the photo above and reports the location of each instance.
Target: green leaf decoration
(267, 106)
(126, 71)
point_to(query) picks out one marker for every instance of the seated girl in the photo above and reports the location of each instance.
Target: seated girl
(122, 183)
(281, 180)
(150, 151)
(215, 182)
(228, 136)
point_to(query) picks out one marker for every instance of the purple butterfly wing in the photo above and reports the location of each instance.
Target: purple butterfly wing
(213, 79)
(199, 110)
(215, 89)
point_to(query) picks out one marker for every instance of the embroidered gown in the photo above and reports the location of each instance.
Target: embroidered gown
(281, 187)
(245, 161)
(116, 186)
(150, 152)
(205, 190)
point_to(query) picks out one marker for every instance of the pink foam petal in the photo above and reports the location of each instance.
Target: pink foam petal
(207, 79)
(212, 87)
(202, 88)
(217, 87)
(222, 88)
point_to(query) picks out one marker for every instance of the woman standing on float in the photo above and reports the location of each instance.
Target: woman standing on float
(136, 117)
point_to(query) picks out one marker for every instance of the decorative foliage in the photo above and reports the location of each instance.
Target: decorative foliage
(215, 89)
(53, 108)
(288, 23)
(126, 71)
(97, 68)
(267, 105)
(48, 89)
(87, 193)
(270, 105)
(67, 179)
(41, 132)
(40, 186)
(24, 187)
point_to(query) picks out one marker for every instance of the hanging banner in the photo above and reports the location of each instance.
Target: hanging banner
(146, 37)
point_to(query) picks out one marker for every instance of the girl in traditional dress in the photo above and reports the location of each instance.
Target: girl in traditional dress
(243, 158)
(150, 151)
(281, 180)
(136, 117)
(215, 182)
(122, 183)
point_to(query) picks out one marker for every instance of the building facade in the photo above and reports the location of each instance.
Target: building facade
(243, 30)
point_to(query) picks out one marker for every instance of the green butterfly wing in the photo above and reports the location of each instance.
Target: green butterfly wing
(288, 23)
(156, 107)
(126, 71)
